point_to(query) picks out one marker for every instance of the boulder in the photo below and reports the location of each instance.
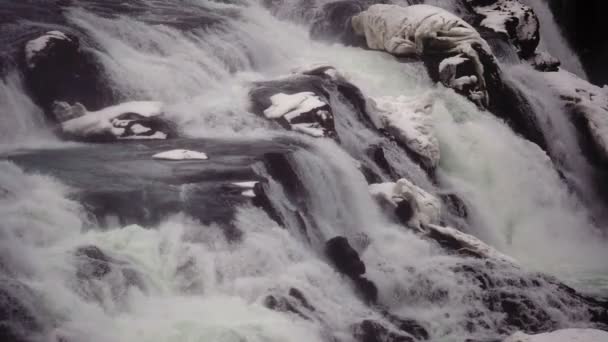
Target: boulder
(126, 121)
(427, 32)
(410, 204)
(373, 331)
(333, 23)
(344, 257)
(57, 68)
(410, 123)
(516, 21)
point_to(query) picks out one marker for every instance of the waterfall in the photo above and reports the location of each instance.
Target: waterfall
(104, 242)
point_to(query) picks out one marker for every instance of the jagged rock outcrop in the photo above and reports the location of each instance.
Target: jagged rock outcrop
(58, 68)
(126, 121)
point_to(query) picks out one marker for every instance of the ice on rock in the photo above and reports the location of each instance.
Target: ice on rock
(291, 106)
(180, 154)
(35, 46)
(423, 30)
(564, 335)
(471, 242)
(586, 99)
(427, 208)
(410, 121)
(513, 18)
(129, 120)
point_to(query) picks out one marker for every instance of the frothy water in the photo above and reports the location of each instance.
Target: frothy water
(187, 281)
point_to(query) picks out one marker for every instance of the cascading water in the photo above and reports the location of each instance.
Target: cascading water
(102, 243)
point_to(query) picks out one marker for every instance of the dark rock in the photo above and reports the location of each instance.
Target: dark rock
(297, 294)
(63, 71)
(542, 61)
(455, 205)
(344, 257)
(320, 117)
(367, 289)
(282, 304)
(333, 23)
(404, 211)
(409, 326)
(452, 244)
(373, 331)
(97, 263)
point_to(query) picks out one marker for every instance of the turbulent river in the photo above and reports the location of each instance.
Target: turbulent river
(101, 242)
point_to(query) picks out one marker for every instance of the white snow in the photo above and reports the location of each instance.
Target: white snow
(427, 208)
(248, 193)
(421, 30)
(410, 121)
(180, 154)
(476, 244)
(586, 98)
(564, 335)
(447, 73)
(33, 47)
(155, 136)
(103, 121)
(291, 106)
(498, 14)
(245, 185)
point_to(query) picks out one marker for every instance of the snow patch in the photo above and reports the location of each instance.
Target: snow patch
(410, 121)
(180, 154)
(586, 99)
(35, 46)
(291, 106)
(564, 335)
(427, 208)
(422, 30)
(474, 243)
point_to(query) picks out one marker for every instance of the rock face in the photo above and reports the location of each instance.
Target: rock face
(511, 18)
(57, 68)
(333, 23)
(588, 107)
(425, 31)
(564, 335)
(410, 122)
(299, 103)
(411, 205)
(347, 261)
(126, 121)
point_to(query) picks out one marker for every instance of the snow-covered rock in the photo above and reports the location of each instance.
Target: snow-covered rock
(410, 121)
(428, 32)
(512, 18)
(457, 241)
(425, 208)
(56, 68)
(130, 120)
(180, 154)
(247, 188)
(543, 61)
(588, 105)
(305, 112)
(41, 45)
(564, 335)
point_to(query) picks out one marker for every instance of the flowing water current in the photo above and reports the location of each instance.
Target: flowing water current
(184, 279)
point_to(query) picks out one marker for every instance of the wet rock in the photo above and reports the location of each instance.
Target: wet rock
(344, 257)
(57, 68)
(455, 205)
(333, 23)
(367, 289)
(21, 312)
(97, 263)
(411, 205)
(543, 61)
(282, 304)
(126, 121)
(516, 21)
(297, 294)
(373, 331)
(409, 326)
(299, 103)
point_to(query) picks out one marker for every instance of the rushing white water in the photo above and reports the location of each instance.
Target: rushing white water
(194, 284)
